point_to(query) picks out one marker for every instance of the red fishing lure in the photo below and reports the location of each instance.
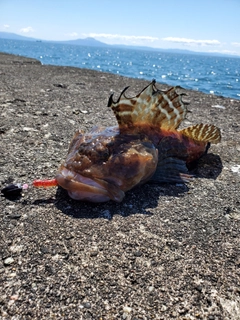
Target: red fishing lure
(45, 183)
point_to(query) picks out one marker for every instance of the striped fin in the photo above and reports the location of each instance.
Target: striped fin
(203, 132)
(164, 109)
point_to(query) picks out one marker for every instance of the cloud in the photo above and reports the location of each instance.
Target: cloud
(235, 44)
(186, 41)
(26, 30)
(6, 26)
(121, 37)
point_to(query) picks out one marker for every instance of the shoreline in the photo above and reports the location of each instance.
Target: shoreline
(30, 58)
(166, 251)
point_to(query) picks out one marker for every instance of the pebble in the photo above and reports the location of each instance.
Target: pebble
(47, 135)
(8, 261)
(71, 121)
(14, 297)
(15, 216)
(60, 85)
(163, 308)
(93, 253)
(13, 274)
(26, 129)
(34, 286)
(218, 106)
(236, 168)
(127, 309)
(87, 305)
(138, 253)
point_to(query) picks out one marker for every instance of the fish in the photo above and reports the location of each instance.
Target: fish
(146, 146)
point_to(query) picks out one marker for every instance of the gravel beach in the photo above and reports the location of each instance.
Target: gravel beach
(165, 252)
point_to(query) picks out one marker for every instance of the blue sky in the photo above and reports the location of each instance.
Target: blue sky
(198, 25)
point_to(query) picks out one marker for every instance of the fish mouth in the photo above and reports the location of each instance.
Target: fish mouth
(83, 188)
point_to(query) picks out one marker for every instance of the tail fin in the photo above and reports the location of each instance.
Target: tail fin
(203, 132)
(164, 109)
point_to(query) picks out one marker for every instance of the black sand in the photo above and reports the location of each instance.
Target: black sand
(167, 251)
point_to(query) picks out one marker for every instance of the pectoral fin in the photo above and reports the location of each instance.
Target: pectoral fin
(171, 170)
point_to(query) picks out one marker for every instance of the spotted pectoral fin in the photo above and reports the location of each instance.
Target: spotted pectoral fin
(153, 107)
(171, 170)
(203, 132)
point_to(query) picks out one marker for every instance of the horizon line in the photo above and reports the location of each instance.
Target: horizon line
(125, 45)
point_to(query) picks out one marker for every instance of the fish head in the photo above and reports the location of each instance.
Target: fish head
(103, 164)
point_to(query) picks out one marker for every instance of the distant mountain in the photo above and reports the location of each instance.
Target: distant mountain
(91, 42)
(14, 36)
(80, 42)
(85, 42)
(178, 51)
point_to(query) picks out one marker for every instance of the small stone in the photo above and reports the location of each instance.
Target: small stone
(163, 308)
(27, 129)
(15, 216)
(8, 261)
(218, 106)
(44, 249)
(87, 305)
(236, 168)
(14, 297)
(69, 237)
(60, 85)
(174, 314)
(13, 274)
(198, 288)
(71, 121)
(127, 309)
(93, 253)
(138, 254)
(34, 286)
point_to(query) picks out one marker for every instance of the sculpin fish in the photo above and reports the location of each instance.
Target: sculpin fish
(146, 145)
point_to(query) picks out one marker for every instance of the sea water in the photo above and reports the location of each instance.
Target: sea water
(219, 75)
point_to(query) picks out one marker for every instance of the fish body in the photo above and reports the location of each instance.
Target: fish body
(104, 163)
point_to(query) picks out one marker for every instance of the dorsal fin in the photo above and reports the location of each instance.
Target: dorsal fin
(203, 132)
(163, 109)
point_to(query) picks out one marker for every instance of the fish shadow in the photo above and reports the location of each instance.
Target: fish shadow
(208, 166)
(141, 199)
